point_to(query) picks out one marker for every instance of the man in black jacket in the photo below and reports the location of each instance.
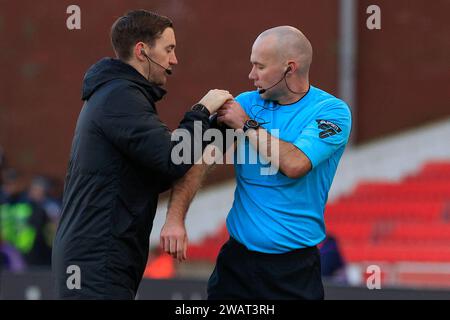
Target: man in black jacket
(120, 161)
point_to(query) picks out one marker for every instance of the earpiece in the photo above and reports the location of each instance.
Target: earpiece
(289, 68)
(167, 70)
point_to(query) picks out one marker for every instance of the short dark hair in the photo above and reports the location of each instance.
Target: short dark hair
(135, 26)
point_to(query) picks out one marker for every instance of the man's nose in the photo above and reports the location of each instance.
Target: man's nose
(251, 75)
(173, 60)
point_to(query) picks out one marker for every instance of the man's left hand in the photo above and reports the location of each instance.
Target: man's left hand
(232, 114)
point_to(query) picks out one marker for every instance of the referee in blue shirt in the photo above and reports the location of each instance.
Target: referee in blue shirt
(277, 220)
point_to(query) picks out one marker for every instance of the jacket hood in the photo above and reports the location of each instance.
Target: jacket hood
(108, 69)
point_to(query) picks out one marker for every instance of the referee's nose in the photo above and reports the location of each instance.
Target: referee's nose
(252, 74)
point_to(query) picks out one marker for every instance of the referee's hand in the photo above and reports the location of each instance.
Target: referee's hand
(173, 239)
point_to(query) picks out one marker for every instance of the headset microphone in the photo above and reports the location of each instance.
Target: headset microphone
(168, 71)
(261, 91)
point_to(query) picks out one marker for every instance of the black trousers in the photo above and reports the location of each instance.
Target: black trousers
(244, 274)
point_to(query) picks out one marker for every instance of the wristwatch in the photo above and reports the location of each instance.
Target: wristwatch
(251, 124)
(200, 108)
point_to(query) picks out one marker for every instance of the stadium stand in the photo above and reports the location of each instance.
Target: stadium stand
(384, 222)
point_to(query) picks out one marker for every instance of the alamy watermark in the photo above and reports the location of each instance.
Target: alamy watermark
(373, 22)
(374, 277)
(263, 151)
(74, 279)
(73, 21)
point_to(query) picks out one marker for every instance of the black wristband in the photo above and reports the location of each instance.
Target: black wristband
(200, 108)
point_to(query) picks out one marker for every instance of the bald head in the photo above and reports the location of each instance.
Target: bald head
(286, 43)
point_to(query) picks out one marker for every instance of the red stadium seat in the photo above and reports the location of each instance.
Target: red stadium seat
(421, 233)
(396, 253)
(351, 231)
(381, 221)
(372, 211)
(430, 190)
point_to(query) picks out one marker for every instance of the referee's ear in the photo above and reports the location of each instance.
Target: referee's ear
(292, 68)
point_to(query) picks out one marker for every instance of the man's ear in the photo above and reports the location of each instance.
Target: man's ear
(292, 67)
(139, 51)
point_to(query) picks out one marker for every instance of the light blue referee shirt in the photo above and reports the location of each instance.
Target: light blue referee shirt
(274, 213)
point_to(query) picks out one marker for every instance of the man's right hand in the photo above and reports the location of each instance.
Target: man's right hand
(214, 99)
(173, 237)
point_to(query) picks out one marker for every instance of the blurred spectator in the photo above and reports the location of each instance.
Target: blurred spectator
(24, 223)
(10, 188)
(10, 258)
(332, 262)
(38, 193)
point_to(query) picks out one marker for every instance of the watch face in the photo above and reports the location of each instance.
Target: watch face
(252, 123)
